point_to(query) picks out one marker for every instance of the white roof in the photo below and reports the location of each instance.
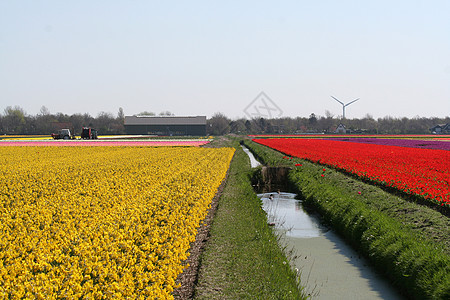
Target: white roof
(166, 120)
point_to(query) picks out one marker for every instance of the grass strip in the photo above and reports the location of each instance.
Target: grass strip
(242, 258)
(381, 226)
(427, 222)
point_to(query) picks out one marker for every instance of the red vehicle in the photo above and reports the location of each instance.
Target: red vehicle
(88, 133)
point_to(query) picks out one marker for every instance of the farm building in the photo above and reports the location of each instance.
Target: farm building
(441, 129)
(167, 126)
(341, 129)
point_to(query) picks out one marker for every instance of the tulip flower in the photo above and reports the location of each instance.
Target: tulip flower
(422, 172)
(118, 226)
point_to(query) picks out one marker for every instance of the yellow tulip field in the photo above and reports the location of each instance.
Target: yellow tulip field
(105, 222)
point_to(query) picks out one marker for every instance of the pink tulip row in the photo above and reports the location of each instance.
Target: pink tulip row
(106, 143)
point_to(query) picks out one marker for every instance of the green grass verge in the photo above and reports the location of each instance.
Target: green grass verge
(405, 241)
(242, 258)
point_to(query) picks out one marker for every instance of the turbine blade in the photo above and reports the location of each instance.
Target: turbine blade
(337, 100)
(352, 102)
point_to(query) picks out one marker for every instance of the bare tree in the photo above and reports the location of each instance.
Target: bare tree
(104, 121)
(120, 114)
(166, 113)
(43, 121)
(14, 120)
(219, 124)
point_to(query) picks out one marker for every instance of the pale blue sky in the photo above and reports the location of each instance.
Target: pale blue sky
(202, 57)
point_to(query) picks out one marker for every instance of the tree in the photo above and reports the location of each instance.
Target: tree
(120, 114)
(249, 126)
(312, 121)
(44, 111)
(219, 124)
(327, 123)
(43, 121)
(146, 113)
(328, 114)
(104, 121)
(262, 124)
(238, 126)
(14, 120)
(79, 121)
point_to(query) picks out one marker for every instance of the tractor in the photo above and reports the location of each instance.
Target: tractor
(88, 133)
(63, 134)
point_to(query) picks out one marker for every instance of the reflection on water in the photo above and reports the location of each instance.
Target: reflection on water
(287, 214)
(253, 162)
(329, 268)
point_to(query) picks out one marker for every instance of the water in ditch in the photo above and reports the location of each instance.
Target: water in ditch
(329, 268)
(253, 162)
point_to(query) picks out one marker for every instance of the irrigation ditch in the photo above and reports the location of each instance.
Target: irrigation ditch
(328, 267)
(241, 258)
(377, 233)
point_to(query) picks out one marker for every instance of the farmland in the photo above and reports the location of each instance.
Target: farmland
(423, 172)
(405, 240)
(101, 222)
(105, 219)
(105, 142)
(437, 143)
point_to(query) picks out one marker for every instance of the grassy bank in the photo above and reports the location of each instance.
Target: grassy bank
(242, 259)
(406, 241)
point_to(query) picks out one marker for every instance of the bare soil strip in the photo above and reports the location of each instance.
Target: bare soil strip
(188, 278)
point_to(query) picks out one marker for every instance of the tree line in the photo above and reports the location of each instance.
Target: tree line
(15, 120)
(219, 124)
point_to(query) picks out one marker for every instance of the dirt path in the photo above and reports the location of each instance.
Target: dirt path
(188, 278)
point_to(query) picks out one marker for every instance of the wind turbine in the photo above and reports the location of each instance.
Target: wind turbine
(344, 105)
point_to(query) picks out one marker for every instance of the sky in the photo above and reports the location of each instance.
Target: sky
(239, 58)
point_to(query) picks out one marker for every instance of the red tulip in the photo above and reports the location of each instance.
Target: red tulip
(413, 170)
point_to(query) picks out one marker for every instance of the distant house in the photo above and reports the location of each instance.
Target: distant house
(341, 129)
(441, 129)
(165, 126)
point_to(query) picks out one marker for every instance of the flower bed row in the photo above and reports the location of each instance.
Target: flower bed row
(423, 172)
(413, 143)
(318, 135)
(106, 143)
(101, 223)
(385, 228)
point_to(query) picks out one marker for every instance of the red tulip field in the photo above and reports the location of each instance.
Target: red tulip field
(423, 172)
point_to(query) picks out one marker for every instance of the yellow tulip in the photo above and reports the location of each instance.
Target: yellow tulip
(101, 222)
